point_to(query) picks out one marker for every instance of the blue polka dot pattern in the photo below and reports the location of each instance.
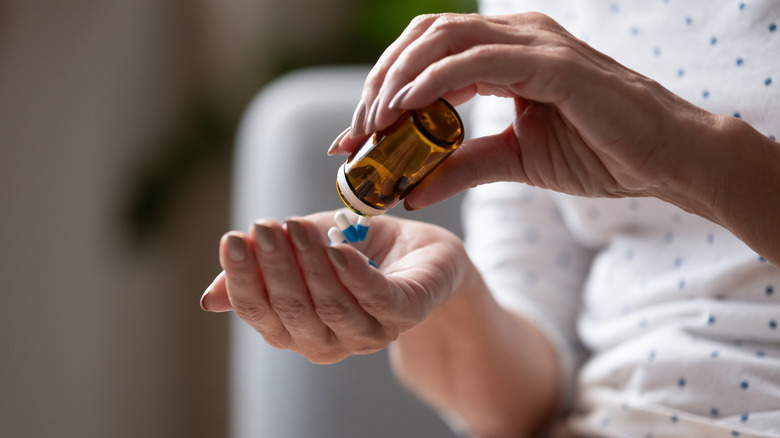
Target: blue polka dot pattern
(674, 304)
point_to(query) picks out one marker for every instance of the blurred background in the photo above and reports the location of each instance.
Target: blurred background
(117, 120)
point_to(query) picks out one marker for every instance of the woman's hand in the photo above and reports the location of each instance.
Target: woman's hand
(583, 124)
(326, 302)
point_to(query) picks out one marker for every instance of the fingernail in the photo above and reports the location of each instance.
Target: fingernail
(335, 144)
(396, 102)
(358, 120)
(236, 248)
(408, 207)
(371, 118)
(337, 258)
(264, 235)
(298, 235)
(203, 299)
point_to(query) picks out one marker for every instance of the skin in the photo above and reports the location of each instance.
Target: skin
(327, 303)
(583, 124)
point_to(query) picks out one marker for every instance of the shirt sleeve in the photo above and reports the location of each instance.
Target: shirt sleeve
(531, 263)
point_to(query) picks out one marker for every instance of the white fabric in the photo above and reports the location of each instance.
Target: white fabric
(680, 317)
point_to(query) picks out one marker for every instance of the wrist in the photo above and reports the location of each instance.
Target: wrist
(477, 362)
(729, 173)
(696, 172)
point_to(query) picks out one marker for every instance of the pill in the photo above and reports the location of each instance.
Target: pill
(346, 227)
(363, 223)
(336, 236)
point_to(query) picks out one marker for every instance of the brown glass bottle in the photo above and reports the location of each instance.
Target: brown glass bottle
(394, 160)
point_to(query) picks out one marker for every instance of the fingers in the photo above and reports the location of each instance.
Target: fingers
(428, 40)
(376, 76)
(447, 36)
(246, 290)
(533, 73)
(332, 302)
(345, 143)
(281, 281)
(363, 125)
(373, 294)
(215, 298)
(286, 290)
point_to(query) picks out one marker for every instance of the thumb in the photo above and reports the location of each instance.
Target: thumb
(215, 299)
(478, 161)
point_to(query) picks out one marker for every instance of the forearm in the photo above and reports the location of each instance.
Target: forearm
(732, 178)
(473, 359)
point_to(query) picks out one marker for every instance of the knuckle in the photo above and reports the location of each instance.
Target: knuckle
(423, 20)
(373, 80)
(565, 54)
(291, 309)
(449, 23)
(484, 52)
(250, 312)
(318, 271)
(332, 311)
(541, 20)
(240, 278)
(276, 341)
(376, 304)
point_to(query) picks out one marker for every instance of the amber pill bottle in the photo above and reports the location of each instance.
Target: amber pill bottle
(394, 160)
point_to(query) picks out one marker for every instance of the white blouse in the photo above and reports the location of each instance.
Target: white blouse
(666, 324)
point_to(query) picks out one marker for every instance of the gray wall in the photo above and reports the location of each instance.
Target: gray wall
(281, 169)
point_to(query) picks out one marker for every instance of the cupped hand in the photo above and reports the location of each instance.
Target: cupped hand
(583, 124)
(326, 302)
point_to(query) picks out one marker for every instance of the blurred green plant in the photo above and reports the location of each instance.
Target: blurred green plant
(203, 135)
(378, 23)
(370, 27)
(207, 130)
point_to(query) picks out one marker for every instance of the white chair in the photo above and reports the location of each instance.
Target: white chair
(281, 169)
